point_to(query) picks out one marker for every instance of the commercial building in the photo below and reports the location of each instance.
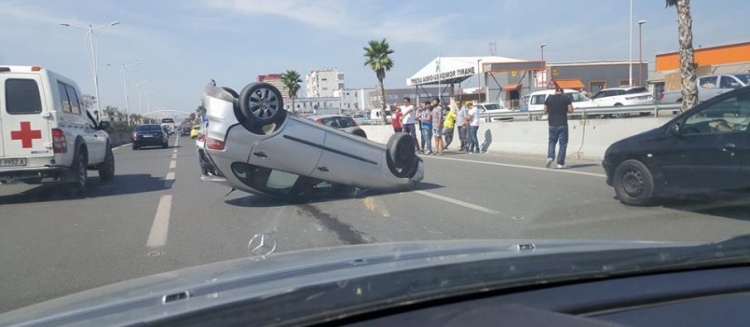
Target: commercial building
(375, 100)
(723, 59)
(355, 99)
(507, 80)
(275, 80)
(324, 83)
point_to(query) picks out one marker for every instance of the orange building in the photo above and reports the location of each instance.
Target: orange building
(724, 59)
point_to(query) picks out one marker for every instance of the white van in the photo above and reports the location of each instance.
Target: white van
(537, 99)
(376, 114)
(45, 133)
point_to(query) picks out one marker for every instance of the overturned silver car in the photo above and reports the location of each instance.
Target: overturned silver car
(254, 145)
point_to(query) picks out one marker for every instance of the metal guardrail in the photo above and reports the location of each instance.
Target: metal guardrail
(592, 112)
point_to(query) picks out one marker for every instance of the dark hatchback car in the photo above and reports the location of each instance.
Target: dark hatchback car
(149, 135)
(706, 148)
(345, 123)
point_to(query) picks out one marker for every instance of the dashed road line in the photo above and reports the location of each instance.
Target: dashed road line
(458, 202)
(157, 237)
(121, 146)
(172, 164)
(174, 156)
(169, 180)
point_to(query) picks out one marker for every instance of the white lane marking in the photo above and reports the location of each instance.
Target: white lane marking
(169, 179)
(124, 145)
(174, 156)
(160, 228)
(566, 171)
(172, 164)
(175, 151)
(458, 202)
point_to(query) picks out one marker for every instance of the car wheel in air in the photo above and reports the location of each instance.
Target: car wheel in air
(107, 168)
(231, 91)
(401, 158)
(80, 174)
(634, 183)
(261, 103)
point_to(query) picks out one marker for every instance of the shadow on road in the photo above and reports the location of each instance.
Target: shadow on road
(582, 165)
(732, 205)
(120, 185)
(487, 141)
(263, 201)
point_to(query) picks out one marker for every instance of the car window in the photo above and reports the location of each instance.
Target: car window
(22, 97)
(708, 82)
(75, 105)
(339, 122)
(744, 78)
(636, 90)
(64, 101)
(575, 97)
(729, 115)
(728, 82)
(538, 99)
(148, 128)
(491, 106)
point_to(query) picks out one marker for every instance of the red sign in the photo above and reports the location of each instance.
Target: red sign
(26, 135)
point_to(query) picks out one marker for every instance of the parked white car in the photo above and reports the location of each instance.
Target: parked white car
(537, 99)
(710, 86)
(493, 108)
(47, 135)
(623, 96)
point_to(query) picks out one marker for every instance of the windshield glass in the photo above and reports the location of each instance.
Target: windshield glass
(146, 137)
(745, 78)
(148, 128)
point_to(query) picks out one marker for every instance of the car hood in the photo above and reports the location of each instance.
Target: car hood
(642, 141)
(260, 278)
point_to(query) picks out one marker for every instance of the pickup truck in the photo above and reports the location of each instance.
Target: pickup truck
(710, 86)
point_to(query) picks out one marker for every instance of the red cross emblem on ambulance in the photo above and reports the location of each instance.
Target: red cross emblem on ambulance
(26, 135)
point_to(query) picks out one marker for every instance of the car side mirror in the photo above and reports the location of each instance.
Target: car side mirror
(104, 125)
(675, 130)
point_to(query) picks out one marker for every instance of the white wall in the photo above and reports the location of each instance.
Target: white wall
(586, 141)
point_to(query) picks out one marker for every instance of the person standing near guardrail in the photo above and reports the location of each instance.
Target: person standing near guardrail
(437, 125)
(426, 123)
(449, 125)
(473, 121)
(461, 123)
(396, 122)
(557, 107)
(407, 120)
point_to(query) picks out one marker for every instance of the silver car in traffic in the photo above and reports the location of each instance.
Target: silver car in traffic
(256, 146)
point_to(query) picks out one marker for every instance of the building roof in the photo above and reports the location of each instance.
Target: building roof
(594, 63)
(570, 83)
(447, 70)
(742, 67)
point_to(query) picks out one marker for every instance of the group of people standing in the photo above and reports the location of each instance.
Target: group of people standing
(437, 124)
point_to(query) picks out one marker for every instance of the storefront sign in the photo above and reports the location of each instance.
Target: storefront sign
(444, 75)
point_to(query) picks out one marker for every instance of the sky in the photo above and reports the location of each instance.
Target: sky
(183, 44)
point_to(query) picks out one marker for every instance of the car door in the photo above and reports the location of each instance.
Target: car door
(75, 123)
(24, 117)
(295, 148)
(706, 153)
(349, 160)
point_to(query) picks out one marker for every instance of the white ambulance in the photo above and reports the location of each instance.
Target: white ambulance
(45, 133)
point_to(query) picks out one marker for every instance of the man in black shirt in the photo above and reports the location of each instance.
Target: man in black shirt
(557, 107)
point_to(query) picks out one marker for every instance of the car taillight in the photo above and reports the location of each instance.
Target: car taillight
(59, 143)
(214, 144)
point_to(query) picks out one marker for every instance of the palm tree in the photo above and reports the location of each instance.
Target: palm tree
(687, 59)
(291, 80)
(376, 57)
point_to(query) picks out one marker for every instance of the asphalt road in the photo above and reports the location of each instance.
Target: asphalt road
(157, 216)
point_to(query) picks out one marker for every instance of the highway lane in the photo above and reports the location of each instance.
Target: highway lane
(157, 216)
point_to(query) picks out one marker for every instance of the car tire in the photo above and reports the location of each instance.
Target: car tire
(261, 103)
(231, 91)
(400, 157)
(135, 147)
(80, 174)
(634, 183)
(165, 145)
(107, 168)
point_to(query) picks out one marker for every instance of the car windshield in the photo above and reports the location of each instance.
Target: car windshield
(149, 128)
(338, 122)
(745, 78)
(142, 138)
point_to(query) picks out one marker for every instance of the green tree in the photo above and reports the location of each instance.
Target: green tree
(687, 57)
(291, 80)
(377, 57)
(88, 101)
(111, 112)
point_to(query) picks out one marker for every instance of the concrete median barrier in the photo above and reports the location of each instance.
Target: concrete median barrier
(588, 139)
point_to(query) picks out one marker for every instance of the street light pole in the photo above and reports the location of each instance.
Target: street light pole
(630, 30)
(543, 71)
(640, 50)
(124, 75)
(138, 89)
(94, 54)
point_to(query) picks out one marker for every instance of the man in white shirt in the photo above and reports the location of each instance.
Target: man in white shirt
(462, 126)
(407, 120)
(473, 128)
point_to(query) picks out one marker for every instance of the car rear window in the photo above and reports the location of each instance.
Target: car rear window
(22, 97)
(148, 128)
(637, 90)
